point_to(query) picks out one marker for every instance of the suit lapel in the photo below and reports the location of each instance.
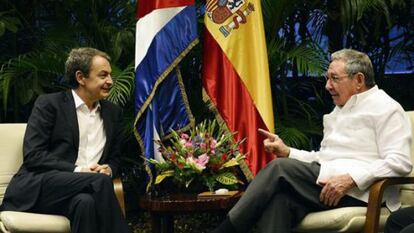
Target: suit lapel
(108, 127)
(71, 117)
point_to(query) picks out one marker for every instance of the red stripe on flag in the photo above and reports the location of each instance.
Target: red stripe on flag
(235, 105)
(144, 7)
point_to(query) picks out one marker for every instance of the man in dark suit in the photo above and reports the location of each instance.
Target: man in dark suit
(72, 149)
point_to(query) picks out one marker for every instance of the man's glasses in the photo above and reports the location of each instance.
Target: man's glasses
(334, 78)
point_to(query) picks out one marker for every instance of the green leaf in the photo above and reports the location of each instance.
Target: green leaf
(123, 85)
(227, 178)
(230, 163)
(153, 161)
(5, 87)
(12, 24)
(2, 28)
(163, 175)
(188, 182)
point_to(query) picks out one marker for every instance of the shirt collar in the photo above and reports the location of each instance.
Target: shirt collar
(363, 95)
(357, 98)
(79, 102)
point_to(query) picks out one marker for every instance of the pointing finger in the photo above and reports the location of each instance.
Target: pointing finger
(268, 134)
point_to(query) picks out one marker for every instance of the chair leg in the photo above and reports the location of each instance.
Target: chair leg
(119, 192)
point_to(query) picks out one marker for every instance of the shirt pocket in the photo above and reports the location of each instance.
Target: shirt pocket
(360, 131)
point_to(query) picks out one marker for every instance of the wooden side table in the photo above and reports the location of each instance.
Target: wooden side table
(163, 209)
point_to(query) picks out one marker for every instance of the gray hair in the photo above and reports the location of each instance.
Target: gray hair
(355, 62)
(80, 59)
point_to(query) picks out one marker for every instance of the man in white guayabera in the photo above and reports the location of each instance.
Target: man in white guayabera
(366, 136)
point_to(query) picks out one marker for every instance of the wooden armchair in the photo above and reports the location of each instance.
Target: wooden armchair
(375, 197)
(11, 157)
(369, 219)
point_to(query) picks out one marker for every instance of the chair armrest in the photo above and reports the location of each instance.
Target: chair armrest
(3, 228)
(119, 192)
(376, 192)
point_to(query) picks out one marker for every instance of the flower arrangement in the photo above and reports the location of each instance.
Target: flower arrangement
(208, 155)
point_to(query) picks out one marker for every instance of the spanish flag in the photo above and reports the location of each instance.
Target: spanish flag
(236, 74)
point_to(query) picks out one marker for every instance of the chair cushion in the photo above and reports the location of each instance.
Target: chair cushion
(30, 222)
(407, 196)
(347, 219)
(11, 153)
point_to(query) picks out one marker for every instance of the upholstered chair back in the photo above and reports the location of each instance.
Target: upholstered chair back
(11, 153)
(11, 157)
(407, 191)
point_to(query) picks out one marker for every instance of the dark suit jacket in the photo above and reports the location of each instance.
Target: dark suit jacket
(51, 142)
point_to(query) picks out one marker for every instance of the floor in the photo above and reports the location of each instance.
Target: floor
(200, 223)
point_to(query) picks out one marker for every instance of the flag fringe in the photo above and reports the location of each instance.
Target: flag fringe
(157, 83)
(243, 164)
(151, 96)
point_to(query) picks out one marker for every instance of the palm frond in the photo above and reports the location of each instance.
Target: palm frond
(8, 22)
(29, 74)
(294, 137)
(275, 14)
(308, 57)
(123, 85)
(352, 11)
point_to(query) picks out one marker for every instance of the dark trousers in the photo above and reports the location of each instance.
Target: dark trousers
(401, 221)
(280, 196)
(87, 199)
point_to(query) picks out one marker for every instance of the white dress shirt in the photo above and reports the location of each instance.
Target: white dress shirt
(92, 136)
(368, 138)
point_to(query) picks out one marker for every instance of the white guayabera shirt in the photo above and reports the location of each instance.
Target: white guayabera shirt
(368, 138)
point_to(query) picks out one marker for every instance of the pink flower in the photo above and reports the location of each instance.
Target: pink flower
(213, 144)
(185, 140)
(188, 144)
(191, 161)
(203, 146)
(200, 162)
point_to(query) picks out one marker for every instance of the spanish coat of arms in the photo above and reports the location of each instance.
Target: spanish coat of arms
(219, 11)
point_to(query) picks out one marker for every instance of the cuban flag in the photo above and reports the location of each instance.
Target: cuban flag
(166, 31)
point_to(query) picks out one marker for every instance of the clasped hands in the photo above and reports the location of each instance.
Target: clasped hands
(97, 168)
(333, 189)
